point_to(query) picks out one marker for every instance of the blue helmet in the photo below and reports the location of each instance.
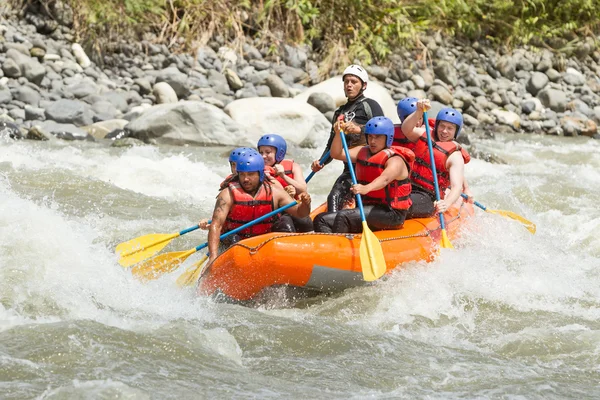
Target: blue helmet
(236, 153)
(406, 106)
(449, 115)
(251, 161)
(380, 126)
(276, 141)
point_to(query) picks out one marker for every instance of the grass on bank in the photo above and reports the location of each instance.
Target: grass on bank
(340, 30)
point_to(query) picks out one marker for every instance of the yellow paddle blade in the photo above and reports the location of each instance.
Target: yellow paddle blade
(372, 260)
(162, 264)
(192, 274)
(135, 250)
(445, 243)
(528, 224)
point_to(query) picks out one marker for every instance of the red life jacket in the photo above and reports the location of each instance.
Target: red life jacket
(246, 208)
(287, 170)
(370, 166)
(400, 138)
(421, 175)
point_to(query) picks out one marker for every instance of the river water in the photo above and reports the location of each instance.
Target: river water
(507, 314)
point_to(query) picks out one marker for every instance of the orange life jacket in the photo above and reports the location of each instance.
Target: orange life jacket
(421, 175)
(400, 138)
(287, 170)
(370, 166)
(246, 208)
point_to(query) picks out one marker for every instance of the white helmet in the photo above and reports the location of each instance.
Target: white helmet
(356, 70)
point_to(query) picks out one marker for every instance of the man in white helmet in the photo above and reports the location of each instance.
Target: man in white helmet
(355, 80)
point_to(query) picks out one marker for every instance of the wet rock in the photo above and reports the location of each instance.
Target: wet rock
(537, 82)
(70, 112)
(9, 130)
(188, 122)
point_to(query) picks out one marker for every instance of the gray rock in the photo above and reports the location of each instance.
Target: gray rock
(11, 69)
(260, 65)
(104, 111)
(470, 121)
(579, 106)
(34, 113)
(234, 81)
(537, 82)
(553, 75)
(574, 79)
(554, 99)
(427, 77)
(277, 86)
(18, 114)
(506, 66)
(381, 73)
(63, 131)
(70, 112)
(294, 56)
(5, 96)
(404, 74)
(441, 94)
(30, 67)
(144, 85)
(175, 79)
(418, 81)
(544, 65)
(322, 102)
(524, 64)
(263, 91)
(190, 122)
(218, 82)
(83, 89)
(251, 53)
(117, 99)
(246, 93)
(446, 73)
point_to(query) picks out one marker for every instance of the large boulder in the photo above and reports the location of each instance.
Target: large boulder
(297, 121)
(188, 122)
(335, 89)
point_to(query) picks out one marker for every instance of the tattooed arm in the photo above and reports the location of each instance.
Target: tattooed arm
(222, 207)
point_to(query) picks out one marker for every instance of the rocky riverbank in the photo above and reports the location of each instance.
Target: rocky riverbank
(49, 88)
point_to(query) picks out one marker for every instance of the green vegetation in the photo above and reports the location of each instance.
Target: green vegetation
(342, 30)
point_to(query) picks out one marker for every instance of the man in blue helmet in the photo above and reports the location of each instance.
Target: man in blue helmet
(233, 157)
(382, 172)
(450, 159)
(247, 199)
(355, 80)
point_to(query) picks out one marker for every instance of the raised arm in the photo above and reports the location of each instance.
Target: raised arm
(220, 213)
(409, 126)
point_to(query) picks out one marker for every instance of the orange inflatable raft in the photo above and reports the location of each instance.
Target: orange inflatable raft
(325, 262)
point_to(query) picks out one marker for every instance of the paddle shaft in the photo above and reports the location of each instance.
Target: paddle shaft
(321, 161)
(433, 170)
(484, 208)
(352, 174)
